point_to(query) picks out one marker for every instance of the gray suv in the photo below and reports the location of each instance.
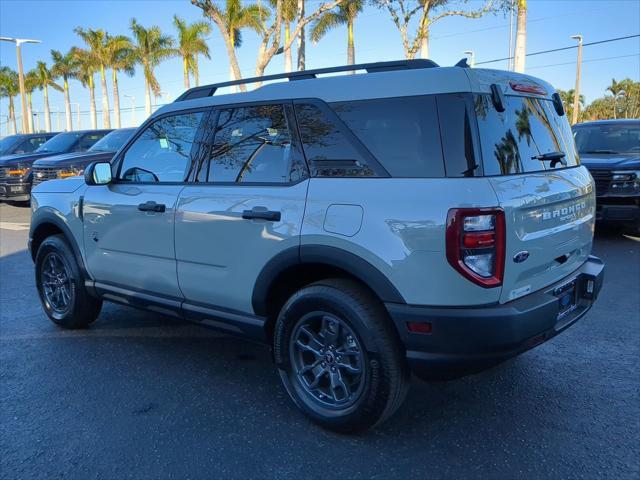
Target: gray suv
(412, 218)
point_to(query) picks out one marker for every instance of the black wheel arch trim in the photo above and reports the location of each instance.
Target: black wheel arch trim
(336, 257)
(48, 215)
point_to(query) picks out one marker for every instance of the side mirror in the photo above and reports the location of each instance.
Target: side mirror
(98, 173)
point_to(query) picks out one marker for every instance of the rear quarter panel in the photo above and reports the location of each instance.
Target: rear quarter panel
(401, 231)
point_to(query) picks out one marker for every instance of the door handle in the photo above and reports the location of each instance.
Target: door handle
(269, 215)
(152, 207)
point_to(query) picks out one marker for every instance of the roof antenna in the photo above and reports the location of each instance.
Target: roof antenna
(462, 63)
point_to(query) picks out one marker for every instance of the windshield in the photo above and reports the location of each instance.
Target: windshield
(7, 142)
(529, 136)
(60, 143)
(112, 141)
(608, 138)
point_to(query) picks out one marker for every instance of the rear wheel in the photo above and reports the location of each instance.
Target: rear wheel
(339, 357)
(61, 285)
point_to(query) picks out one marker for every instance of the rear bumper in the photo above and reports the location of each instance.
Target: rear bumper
(464, 340)
(16, 191)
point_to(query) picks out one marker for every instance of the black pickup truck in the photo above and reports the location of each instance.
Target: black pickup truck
(610, 149)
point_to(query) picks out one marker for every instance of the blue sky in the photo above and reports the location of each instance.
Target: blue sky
(551, 23)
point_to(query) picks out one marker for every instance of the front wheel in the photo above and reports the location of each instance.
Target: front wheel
(61, 285)
(339, 357)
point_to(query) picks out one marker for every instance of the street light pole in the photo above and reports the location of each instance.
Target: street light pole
(576, 93)
(133, 109)
(23, 101)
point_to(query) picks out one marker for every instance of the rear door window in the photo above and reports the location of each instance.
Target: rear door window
(529, 127)
(254, 145)
(402, 133)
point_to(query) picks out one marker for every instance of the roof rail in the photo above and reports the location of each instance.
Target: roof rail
(210, 90)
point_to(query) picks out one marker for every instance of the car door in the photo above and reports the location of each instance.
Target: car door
(244, 206)
(128, 224)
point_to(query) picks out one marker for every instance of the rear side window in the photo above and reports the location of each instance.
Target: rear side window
(402, 133)
(529, 127)
(327, 149)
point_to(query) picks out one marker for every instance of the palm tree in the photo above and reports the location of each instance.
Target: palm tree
(191, 43)
(345, 14)
(85, 70)
(64, 67)
(96, 41)
(120, 58)
(289, 14)
(150, 48)
(231, 21)
(521, 37)
(45, 79)
(30, 84)
(9, 88)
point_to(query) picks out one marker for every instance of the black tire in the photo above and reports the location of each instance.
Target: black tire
(367, 341)
(80, 308)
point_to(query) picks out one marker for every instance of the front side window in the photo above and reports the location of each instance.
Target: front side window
(162, 153)
(402, 133)
(328, 151)
(518, 139)
(253, 144)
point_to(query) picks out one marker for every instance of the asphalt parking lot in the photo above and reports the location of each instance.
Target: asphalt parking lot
(141, 396)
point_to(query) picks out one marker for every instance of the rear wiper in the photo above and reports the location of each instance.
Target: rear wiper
(600, 151)
(553, 157)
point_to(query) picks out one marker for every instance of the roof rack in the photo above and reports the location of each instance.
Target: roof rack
(210, 90)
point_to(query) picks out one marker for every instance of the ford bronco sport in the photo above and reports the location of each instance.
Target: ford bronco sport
(412, 218)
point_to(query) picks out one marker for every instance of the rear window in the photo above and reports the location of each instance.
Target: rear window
(608, 138)
(402, 133)
(529, 127)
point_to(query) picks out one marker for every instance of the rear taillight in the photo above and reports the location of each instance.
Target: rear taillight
(476, 244)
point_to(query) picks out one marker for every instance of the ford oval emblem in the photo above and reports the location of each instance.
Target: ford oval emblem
(521, 256)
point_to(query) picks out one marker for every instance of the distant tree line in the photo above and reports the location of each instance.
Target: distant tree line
(621, 100)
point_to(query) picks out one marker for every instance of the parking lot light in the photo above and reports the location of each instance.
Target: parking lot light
(23, 102)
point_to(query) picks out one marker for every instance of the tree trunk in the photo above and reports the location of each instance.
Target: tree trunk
(12, 117)
(67, 105)
(521, 37)
(234, 68)
(47, 112)
(288, 60)
(29, 113)
(351, 49)
(185, 72)
(147, 97)
(92, 104)
(424, 46)
(196, 70)
(106, 115)
(301, 40)
(116, 97)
